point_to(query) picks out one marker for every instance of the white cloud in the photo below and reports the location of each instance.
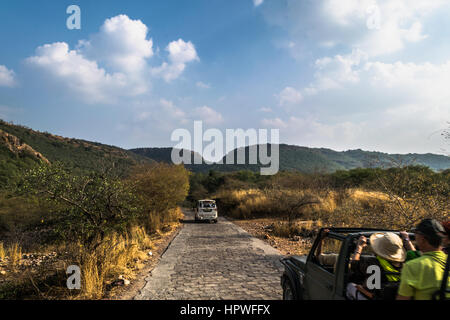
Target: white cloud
(161, 114)
(333, 72)
(203, 85)
(77, 73)
(7, 77)
(393, 107)
(275, 123)
(377, 27)
(121, 44)
(265, 109)
(311, 132)
(289, 96)
(257, 3)
(209, 115)
(180, 53)
(170, 109)
(112, 64)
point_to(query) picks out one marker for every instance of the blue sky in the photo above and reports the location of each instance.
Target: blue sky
(341, 74)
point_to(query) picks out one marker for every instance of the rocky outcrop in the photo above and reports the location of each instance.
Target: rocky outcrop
(18, 147)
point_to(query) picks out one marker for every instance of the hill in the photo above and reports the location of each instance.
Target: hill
(304, 159)
(165, 155)
(22, 148)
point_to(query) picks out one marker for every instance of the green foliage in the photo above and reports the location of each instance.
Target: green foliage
(78, 155)
(203, 185)
(94, 205)
(355, 178)
(159, 189)
(312, 160)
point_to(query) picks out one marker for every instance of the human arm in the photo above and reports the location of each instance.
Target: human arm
(362, 242)
(408, 244)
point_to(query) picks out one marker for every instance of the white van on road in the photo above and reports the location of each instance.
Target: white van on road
(206, 210)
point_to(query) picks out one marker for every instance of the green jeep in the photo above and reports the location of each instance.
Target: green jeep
(325, 276)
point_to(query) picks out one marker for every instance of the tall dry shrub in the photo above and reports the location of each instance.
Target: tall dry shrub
(159, 188)
(116, 255)
(407, 195)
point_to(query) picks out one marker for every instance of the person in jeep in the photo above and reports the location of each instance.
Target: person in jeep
(421, 278)
(389, 257)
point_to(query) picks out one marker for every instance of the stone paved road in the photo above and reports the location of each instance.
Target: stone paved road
(215, 261)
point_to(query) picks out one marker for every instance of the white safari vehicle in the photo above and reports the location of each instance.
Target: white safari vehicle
(206, 210)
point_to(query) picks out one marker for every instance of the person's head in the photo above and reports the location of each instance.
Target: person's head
(429, 235)
(388, 246)
(446, 225)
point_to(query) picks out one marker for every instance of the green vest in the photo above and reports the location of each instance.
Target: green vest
(387, 267)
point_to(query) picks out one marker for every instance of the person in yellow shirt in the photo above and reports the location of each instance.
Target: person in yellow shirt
(421, 277)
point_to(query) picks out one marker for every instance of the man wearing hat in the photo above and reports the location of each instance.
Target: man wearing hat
(390, 255)
(422, 277)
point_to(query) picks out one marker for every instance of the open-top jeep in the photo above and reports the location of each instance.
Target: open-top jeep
(324, 273)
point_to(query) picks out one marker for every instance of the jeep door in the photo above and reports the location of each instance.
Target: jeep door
(320, 279)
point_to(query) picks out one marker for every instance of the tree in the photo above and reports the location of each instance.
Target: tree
(160, 188)
(414, 193)
(291, 202)
(89, 206)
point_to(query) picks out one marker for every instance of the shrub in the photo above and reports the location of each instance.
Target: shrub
(94, 205)
(159, 189)
(116, 255)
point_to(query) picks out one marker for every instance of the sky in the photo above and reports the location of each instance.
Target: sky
(339, 74)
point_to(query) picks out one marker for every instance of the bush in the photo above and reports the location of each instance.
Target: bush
(92, 206)
(159, 189)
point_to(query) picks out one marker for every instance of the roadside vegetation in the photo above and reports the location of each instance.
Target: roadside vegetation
(70, 202)
(105, 221)
(296, 205)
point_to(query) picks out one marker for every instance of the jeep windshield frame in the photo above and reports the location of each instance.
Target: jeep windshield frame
(207, 204)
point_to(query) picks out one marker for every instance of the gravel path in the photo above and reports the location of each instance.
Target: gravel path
(215, 261)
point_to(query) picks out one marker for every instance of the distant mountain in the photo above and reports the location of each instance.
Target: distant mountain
(22, 148)
(165, 155)
(304, 159)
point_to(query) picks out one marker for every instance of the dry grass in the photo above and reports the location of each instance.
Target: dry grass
(101, 265)
(254, 202)
(350, 207)
(288, 246)
(116, 255)
(299, 228)
(2, 251)
(14, 253)
(156, 221)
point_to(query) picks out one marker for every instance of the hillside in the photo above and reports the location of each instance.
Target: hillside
(22, 148)
(164, 154)
(306, 159)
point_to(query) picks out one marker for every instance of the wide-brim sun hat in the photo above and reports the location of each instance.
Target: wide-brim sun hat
(388, 245)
